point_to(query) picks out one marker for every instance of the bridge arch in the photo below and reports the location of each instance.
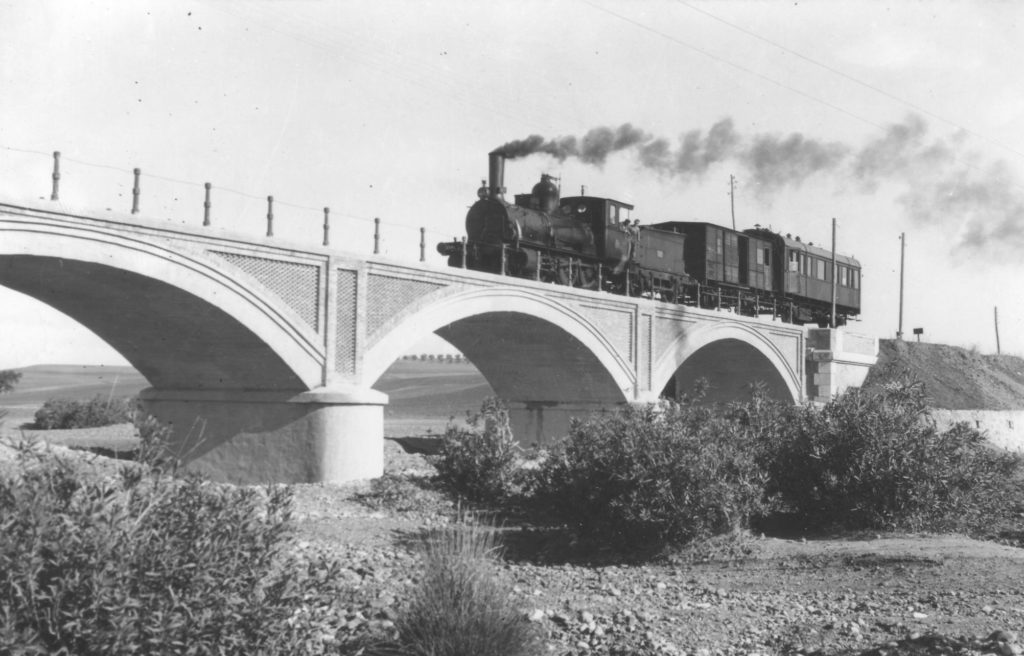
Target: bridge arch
(528, 347)
(730, 356)
(179, 318)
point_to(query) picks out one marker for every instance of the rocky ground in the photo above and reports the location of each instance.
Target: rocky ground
(879, 594)
(752, 594)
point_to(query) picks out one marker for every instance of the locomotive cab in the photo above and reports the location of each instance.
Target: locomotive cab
(609, 222)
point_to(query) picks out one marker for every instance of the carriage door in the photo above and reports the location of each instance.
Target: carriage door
(732, 258)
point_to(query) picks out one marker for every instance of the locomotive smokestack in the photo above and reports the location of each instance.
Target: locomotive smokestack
(496, 174)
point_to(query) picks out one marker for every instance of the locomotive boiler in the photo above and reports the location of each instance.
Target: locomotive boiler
(592, 243)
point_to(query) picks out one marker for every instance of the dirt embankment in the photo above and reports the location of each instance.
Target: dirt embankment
(955, 378)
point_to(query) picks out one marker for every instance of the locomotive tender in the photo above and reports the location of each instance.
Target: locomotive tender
(590, 242)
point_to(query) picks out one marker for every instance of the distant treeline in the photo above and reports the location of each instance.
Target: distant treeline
(436, 357)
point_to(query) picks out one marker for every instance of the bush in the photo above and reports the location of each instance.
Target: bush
(651, 475)
(145, 563)
(8, 379)
(482, 462)
(460, 607)
(876, 460)
(68, 413)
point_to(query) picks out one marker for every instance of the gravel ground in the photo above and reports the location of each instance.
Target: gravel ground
(882, 595)
(886, 594)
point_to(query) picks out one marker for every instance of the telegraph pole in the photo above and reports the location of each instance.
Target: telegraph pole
(903, 252)
(732, 198)
(835, 270)
(996, 310)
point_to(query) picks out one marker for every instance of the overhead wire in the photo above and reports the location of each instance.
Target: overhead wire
(851, 78)
(244, 194)
(767, 78)
(732, 64)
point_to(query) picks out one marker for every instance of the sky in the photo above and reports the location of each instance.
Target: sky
(891, 117)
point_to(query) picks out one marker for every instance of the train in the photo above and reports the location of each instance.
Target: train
(592, 243)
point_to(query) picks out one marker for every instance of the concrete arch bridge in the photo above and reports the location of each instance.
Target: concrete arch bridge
(262, 356)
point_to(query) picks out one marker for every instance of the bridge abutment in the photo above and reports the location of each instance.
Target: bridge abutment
(330, 435)
(836, 361)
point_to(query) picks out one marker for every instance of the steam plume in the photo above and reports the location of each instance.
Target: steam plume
(945, 184)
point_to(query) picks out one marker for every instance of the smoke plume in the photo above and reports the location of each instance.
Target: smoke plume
(943, 182)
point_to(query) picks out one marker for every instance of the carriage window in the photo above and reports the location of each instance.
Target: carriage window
(806, 268)
(856, 278)
(794, 261)
(844, 276)
(767, 256)
(821, 268)
(613, 214)
(660, 253)
(718, 243)
(760, 256)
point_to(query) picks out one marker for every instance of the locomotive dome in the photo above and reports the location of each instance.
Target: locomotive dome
(546, 193)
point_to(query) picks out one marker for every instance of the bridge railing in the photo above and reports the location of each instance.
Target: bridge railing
(66, 182)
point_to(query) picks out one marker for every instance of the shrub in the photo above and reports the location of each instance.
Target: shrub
(8, 379)
(460, 607)
(876, 460)
(68, 413)
(651, 475)
(145, 563)
(482, 462)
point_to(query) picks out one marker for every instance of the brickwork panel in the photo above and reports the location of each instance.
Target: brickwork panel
(298, 285)
(647, 345)
(788, 345)
(667, 331)
(389, 295)
(345, 338)
(615, 325)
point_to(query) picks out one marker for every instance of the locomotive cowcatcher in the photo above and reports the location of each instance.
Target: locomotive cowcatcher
(591, 243)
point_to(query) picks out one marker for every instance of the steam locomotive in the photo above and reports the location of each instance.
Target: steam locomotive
(590, 242)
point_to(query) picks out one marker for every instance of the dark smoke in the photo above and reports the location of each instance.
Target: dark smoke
(697, 153)
(593, 148)
(945, 184)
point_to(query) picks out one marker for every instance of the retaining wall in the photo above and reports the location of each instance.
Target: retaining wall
(1005, 428)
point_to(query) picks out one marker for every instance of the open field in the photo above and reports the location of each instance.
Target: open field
(423, 395)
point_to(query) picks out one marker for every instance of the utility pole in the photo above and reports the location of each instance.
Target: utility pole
(996, 309)
(903, 252)
(732, 198)
(835, 270)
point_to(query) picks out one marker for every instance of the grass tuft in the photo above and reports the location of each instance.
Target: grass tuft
(460, 607)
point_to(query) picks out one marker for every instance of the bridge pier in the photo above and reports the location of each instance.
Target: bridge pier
(330, 435)
(543, 423)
